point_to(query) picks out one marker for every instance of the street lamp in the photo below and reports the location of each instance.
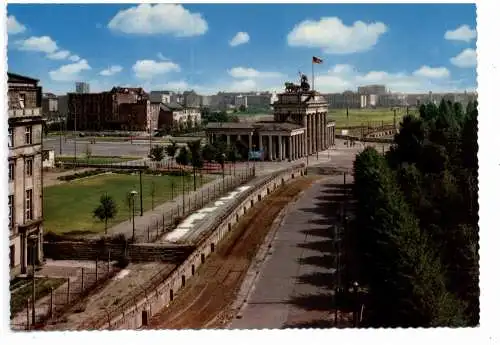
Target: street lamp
(223, 176)
(253, 161)
(133, 194)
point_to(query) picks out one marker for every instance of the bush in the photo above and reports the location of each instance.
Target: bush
(118, 239)
(122, 262)
(80, 175)
(177, 221)
(50, 236)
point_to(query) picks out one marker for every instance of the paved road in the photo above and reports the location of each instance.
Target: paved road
(139, 148)
(295, 284)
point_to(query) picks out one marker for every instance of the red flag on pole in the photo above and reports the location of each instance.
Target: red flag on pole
(317, 60)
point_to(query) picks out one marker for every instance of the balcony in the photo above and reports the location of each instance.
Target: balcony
(25, 112)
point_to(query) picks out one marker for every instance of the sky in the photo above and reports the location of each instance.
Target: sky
(240, 48)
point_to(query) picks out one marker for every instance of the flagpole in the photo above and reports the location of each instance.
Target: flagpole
(312, 66)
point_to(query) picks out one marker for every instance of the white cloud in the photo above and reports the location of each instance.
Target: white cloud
(111, 70)
(432, 72)
(59, 55)
(462, 33)
(243, 85)
(243, 72)
(70, 72)
(14, 27)
(239, 38)
(424, 79)
(466, 59)
(74, 58)
(147, 19)
(43, 44)
(147, 69)
(333, 37)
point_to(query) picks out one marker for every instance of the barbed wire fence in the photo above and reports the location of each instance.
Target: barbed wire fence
(58, 300)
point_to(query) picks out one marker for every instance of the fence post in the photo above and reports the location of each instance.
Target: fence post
(109, 260)
(67, 293)
(163, 219)
(178, 210)
(83, 274)
(148, 233)
(189, 204)
(51, 311)
(96, 269)
(28, 313)
(157, 229)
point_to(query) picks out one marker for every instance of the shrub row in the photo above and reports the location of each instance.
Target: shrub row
(81, 175)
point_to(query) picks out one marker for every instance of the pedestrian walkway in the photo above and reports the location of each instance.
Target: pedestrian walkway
(153, 221)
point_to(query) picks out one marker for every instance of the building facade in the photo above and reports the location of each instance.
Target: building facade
(300, 127)
(50, 107)
(81, 87)
(174, 116)
(25, 193)
(106, 110)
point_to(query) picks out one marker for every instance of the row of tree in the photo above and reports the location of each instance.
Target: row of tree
(416, 225)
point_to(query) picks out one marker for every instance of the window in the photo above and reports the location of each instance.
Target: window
(28, 135)
(11, 137)
(11, 211)
(11, 171)
(29, 167)
(29, 204)
(22, 98)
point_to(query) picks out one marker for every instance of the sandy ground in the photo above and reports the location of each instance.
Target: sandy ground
(207, 297)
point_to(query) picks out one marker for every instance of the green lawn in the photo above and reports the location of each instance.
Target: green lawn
(366, 117)
(68, 208)
(21, 290)
(94, 159)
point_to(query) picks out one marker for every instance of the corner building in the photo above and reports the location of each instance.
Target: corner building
(25, 173)
(299, 128)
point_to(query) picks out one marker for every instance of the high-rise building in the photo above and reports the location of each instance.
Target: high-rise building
(25, 172)
(81, 87)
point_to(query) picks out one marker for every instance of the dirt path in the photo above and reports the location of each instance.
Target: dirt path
(213, 289)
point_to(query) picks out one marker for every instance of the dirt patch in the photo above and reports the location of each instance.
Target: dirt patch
(210, 293)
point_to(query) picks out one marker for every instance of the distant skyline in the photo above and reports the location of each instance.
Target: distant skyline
(222, 47)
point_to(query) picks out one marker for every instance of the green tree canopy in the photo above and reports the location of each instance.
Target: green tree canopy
(106, 210)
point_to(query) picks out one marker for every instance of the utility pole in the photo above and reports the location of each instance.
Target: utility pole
(74, 129)
(183, 200)
(140, 186)
(394, 120)
(60, 133)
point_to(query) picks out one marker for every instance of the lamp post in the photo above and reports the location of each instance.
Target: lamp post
(253, 161)
(133, 194)
(183, 195)
(223, 176)
(60, 134)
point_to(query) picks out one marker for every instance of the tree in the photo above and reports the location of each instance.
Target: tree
(401, 266)
(88, 152)
(196, 158)
(106, 209)
(208, 152)
(157, 153)
(183, 157)
(171, 149)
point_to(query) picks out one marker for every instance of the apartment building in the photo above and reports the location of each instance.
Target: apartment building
(175, 116)
(106, 110)
(25, 173)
